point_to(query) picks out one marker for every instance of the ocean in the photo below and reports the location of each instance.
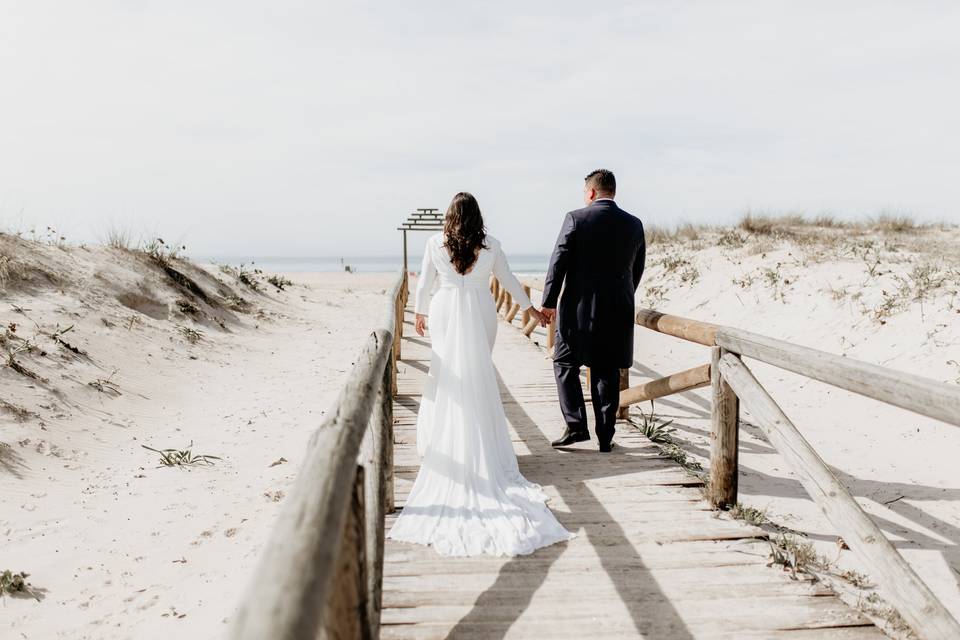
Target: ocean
(519, 264)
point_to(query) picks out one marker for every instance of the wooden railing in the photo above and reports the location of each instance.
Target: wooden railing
(321, 572)
(732, 382)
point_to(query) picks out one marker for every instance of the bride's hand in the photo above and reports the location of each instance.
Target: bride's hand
(421, 324)
(539, 317)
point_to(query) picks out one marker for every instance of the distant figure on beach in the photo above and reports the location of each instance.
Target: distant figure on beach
(598, 261)
(469, 497)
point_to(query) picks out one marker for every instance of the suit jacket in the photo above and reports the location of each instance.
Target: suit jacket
(600, 255)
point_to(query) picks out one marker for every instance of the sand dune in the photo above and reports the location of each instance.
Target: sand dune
(890, 296)
(117, 547)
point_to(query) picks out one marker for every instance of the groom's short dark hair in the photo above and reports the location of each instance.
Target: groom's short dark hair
(603, 181)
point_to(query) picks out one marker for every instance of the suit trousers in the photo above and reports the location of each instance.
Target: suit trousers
(604, 393)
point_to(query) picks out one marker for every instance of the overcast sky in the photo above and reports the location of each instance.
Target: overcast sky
(313, 128)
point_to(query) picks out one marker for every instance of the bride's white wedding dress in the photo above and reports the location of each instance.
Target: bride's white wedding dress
(469, 497)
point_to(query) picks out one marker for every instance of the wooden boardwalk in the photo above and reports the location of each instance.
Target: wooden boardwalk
(651, 559)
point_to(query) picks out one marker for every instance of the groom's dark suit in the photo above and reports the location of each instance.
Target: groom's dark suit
(600, 254)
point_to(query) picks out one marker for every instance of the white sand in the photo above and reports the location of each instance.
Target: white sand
(117, 547)
(826, 298)
(123, 549)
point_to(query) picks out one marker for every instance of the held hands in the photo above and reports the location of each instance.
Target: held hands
(542, 316)
(420, 325)
(549, 315)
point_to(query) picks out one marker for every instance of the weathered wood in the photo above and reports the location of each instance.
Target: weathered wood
(379, 493)
(678, 382)
(347, 611)
(525, 318)
(907, 593)
(293, 577)
(724, 437)
(502, 299)
(927, 397)
(551, 334)
(624, 411)
(692, 330)
(530, 326)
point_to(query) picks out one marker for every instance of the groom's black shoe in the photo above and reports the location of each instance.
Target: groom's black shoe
(606, 447)
(569, 437)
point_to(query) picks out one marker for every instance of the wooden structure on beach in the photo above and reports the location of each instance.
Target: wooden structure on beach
(654, 558)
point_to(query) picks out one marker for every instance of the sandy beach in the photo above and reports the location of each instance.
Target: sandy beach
(112, 352)
(117, 546)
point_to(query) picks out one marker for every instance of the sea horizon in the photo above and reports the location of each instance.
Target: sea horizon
(521, 264)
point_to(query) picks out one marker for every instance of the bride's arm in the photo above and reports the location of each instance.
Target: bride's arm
(509, 281)
(428, 275)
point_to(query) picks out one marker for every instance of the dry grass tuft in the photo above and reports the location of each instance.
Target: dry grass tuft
(181, 458)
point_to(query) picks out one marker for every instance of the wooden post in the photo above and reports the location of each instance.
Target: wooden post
(378, 495)
(346, 611)
(589, 392)
(624, 412)
(913, 599)
(551, 337)
(512, 313)
(525, 318)
(724, 436)
(406, 268)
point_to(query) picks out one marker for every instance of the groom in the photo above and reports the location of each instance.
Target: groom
(599, 254)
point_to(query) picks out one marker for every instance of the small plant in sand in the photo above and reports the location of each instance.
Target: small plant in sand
(120, 238)
(673, 262)
(192, 335)
(795, 556)
(857, 579)
(248, 276)
(280, 282)
(182, 457)
(730, 238)
(656, 294)
(58, 337)
(750, 515)
(655, 428)
(27, 346)
(921, 282)
(746, 281)
(15, 583)
(106, 385)
(186, 307)
(956, 365)
(163, 253)
(20, 413)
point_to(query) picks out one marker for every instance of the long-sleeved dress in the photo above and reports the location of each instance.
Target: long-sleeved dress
(469, 497)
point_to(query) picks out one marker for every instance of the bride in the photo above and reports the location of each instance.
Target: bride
(469, 497)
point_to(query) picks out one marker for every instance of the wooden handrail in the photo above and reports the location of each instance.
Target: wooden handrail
(691, 330)
(927, 397)
(676, 383)
(732, 381)
(321, 570)
(907, 592)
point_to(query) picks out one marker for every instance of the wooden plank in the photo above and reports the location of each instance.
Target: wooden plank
(910, 596)
(724, 437)
(678, 382)
(651, 558)
(927, 397)
(684, 328)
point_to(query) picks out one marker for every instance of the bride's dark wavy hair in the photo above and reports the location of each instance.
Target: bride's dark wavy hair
(463, 231)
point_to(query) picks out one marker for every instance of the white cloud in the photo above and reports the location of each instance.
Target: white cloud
(313, 128)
